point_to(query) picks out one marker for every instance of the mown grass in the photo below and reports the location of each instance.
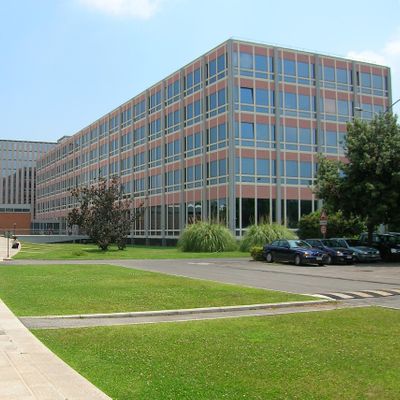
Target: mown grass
(346, 354)
(76, 289)
(72, 251)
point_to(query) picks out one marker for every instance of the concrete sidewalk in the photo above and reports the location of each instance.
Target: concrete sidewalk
(30, 371)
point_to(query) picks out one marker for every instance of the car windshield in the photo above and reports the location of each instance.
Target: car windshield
(342, 242)
(298, 243)
(332, 243)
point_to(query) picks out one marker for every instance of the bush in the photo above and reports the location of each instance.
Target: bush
(338, 226)
(258, 235)
(206, 237)
(256, 253)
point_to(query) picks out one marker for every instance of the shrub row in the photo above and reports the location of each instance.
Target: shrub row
(206, 237)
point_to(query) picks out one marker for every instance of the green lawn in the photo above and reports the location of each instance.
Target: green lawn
(73, 289)
(345, 354)
(71, 251)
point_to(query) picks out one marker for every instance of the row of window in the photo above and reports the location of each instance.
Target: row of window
(262, 66)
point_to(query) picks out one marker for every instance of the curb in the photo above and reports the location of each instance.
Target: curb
(188, 311)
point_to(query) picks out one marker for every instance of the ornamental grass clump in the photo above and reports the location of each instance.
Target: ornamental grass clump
(259, 235)
(206, 237)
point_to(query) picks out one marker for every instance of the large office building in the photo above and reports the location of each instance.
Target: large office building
(231, 137)
(17, 183)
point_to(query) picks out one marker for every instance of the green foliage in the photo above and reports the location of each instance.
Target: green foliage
(369, 184)
(258, 235)
(256, 253)
(338, 226)
(206, 237)
(103, 214)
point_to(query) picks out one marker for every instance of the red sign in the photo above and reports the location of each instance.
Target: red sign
(323, 216)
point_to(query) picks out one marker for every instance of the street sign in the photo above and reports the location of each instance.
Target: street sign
(323, 229)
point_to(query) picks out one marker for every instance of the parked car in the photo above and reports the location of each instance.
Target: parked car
(361, 253)
(296, 251)
(387, 244)
(334, 254)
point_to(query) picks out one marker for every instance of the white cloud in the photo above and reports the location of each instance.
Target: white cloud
(367, 56)
(141, 9)
(389, 55)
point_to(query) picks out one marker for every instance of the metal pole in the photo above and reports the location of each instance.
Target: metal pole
(8, 244)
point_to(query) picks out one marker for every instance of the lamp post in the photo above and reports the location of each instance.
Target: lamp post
(391, 106)
(8, 247)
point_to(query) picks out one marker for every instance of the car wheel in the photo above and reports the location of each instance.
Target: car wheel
(297, 260)
(328, 260)
(269, 258)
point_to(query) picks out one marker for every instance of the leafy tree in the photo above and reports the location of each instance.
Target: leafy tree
(368, 185)
(337, 226)
(102, 213)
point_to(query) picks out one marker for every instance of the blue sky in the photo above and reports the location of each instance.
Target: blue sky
(65, 63)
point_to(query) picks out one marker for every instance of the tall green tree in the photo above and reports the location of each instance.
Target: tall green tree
(368, 185)
(103, 213)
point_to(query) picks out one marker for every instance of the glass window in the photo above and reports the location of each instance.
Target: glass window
(247, 130)
(303, 69)
(212, 68)
(246, 95)
(262, 97)
(342, 75)
(262, 132)
(377, 81)
(290, 100)
(289, 67)
(261, 62)
(262, 166)
(291, 134)
(343, 107)
(246, 60)
(365, 79)
(247, 166)
(291, 168)
(329, 74)
(305, 169)
(331, 138)
(304, 102)
(330, 106)
(197, 76)
(305, 136)
(221, 63)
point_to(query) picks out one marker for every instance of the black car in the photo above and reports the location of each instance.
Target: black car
(387, 244)
(335, 253)
(296, 251)
(361, 253)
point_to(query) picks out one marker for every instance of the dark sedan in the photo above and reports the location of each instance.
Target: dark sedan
(335, 253)
(296, 251)
(361, 253)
